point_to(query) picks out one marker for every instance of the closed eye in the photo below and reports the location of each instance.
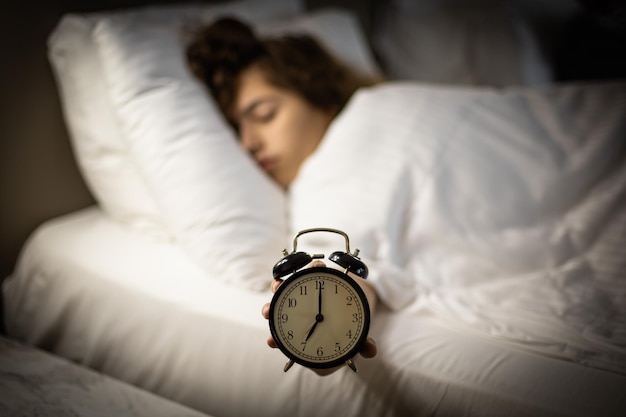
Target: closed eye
(260, 111)
(264, 112)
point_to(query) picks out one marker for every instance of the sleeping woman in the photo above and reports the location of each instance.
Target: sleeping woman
(279, 94)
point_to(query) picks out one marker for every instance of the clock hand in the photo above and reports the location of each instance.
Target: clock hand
(312, 330)
(319, 318)
(319, 305)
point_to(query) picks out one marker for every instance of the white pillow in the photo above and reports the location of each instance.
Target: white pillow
(95, 134)
(211, 196)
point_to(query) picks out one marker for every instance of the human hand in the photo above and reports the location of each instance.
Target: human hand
(368, 350)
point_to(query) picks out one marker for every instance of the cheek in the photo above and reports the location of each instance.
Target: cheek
(297, 132)
(291, 134)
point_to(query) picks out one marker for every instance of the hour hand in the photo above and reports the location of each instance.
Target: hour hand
(311, 331)
(319, 317)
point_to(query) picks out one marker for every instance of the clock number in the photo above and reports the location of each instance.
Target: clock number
(320, 351)
(284, 318)
(337, 347)
(290, 335)
(303, 345)
(349, 334)
(292, 302)
(355, 317)
(349, 300)
(303, 290)
(319, 285)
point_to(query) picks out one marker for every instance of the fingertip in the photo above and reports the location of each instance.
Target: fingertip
(369, 349)
(275, 284)
(271, 343)
(265, 310)
(316, 263)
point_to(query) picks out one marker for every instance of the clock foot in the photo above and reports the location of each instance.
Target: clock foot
(288, 365)
(351, 364)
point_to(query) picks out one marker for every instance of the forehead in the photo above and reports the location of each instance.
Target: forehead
(253, 84)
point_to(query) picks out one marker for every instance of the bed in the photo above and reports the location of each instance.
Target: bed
(491, 217)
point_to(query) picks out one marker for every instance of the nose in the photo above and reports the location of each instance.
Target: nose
(249, 139)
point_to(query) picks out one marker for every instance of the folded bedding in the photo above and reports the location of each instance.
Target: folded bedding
(503, 211)
(143, 312)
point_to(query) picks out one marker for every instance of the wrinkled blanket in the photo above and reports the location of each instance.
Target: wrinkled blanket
(503, 211)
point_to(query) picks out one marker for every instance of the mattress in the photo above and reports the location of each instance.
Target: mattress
(140, 310)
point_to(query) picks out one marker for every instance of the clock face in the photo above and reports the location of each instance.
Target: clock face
(319, 317)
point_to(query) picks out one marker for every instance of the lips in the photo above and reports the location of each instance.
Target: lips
(267, 163)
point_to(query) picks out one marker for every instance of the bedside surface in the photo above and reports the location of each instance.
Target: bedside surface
(37, 383)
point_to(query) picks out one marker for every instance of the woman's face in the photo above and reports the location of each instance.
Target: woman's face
(278, 127)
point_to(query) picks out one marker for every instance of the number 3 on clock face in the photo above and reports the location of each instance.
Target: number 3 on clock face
(319, 317)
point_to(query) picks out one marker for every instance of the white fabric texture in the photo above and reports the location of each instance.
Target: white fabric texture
(96, 136)
(212, 197)
(166, 162)
(92, 291)
(502, 210)
(36, 383)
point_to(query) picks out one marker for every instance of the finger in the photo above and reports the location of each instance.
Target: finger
(271, 343)
(275, 284)
(265, 310)
(316, 262)
(369, 349)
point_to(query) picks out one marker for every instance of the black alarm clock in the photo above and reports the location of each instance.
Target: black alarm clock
(319, 317)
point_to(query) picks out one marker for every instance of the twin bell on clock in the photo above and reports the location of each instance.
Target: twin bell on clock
(319, 317)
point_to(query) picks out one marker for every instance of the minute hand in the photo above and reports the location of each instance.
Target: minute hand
(319, 306)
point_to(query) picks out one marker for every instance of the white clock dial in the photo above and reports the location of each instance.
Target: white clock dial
(319, 317)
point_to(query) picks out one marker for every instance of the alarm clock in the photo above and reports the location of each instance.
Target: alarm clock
(319, 317)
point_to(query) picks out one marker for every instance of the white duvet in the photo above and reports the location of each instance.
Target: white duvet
(502, 211)
(492, 222)
(141, 311)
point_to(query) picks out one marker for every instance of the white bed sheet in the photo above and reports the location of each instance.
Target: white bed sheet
(141, 311)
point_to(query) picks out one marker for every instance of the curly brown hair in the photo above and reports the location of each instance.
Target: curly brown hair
(219, 52)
